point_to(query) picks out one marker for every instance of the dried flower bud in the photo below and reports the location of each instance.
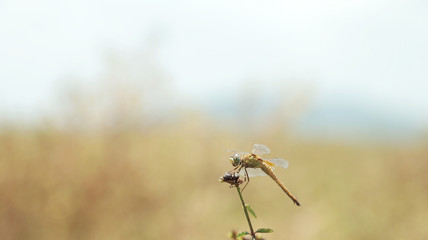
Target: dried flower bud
(232, 178)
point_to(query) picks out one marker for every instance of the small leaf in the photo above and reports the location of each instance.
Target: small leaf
(250, 210)
(243, 234)
(264, 230)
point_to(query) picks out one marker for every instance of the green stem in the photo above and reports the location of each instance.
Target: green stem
(253, 235)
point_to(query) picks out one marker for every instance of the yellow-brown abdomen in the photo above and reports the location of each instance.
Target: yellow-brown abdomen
(268, 170)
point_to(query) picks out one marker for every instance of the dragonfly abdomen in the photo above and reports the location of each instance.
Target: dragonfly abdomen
(268, 170)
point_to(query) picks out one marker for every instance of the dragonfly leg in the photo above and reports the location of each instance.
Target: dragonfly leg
(246, 179)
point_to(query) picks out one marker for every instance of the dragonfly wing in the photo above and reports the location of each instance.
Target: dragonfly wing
(260, 149)
(253, 172)
(278, 162)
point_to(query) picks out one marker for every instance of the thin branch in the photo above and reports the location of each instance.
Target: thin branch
(253, 234)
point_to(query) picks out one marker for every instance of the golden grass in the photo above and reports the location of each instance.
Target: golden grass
(163, 184)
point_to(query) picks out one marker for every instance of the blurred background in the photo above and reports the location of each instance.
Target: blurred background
(116, 118)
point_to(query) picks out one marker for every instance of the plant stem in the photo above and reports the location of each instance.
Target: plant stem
(253, 235)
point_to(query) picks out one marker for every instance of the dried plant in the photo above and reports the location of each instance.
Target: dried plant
(234, 180)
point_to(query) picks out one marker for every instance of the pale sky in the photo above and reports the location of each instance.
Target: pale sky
(373, 53)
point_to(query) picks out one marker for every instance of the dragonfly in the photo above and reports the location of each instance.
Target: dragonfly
(252, 165)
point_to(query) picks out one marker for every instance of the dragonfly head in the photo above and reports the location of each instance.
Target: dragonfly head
(235, 159)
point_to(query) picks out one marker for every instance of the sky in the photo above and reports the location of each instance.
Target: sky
(351, 54)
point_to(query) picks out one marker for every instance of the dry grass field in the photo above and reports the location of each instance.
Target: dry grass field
(162, 183)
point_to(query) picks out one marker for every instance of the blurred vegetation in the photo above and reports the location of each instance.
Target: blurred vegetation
(163, 184)
(111, 170)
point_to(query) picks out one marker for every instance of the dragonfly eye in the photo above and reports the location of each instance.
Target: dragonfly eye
(235, 159)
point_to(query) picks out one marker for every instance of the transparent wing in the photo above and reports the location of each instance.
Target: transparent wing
(252, 172)
(278, 162)
(260, 149)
